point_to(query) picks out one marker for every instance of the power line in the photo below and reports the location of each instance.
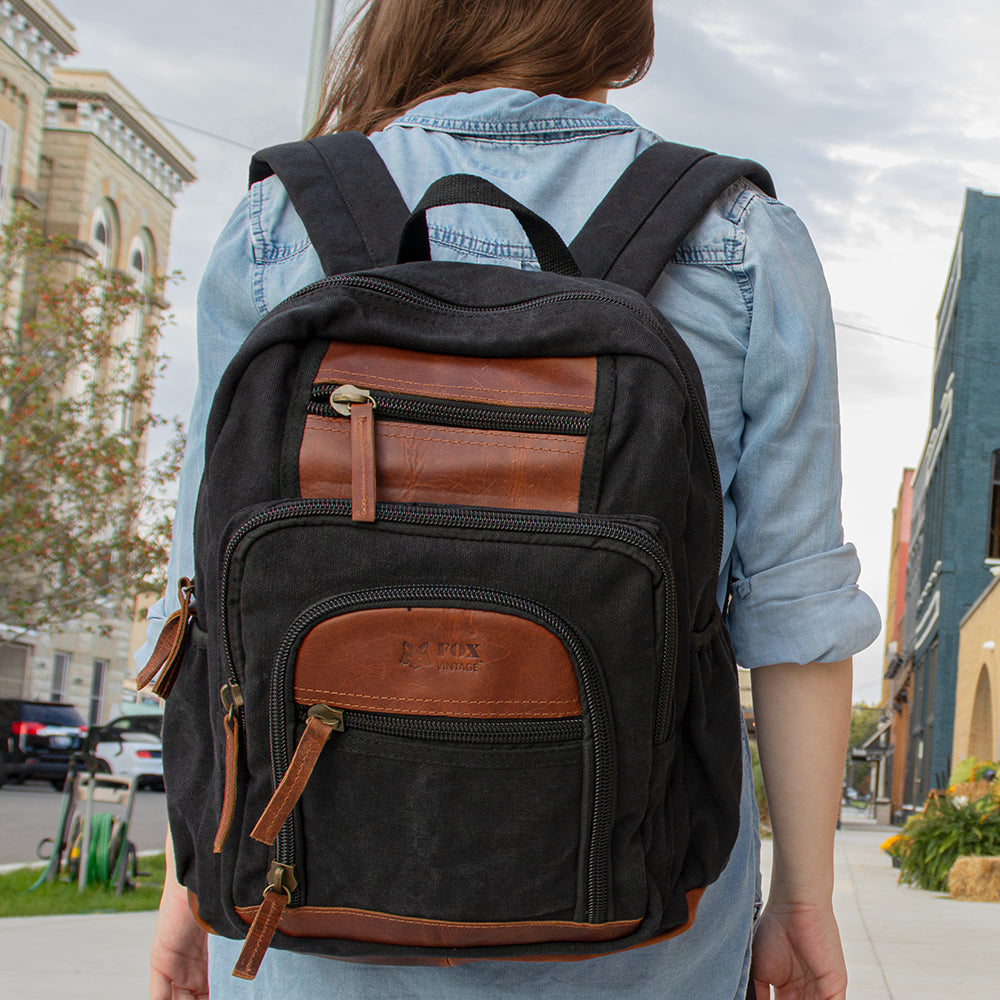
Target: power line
(200, 131)
(884, 336)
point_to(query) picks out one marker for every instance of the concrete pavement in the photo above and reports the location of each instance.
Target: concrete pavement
(900, 943)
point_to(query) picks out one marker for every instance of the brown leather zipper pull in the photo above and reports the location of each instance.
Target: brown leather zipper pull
(350, 401)
(281, 885)
(166, 655)
(320, 723)
(232, 700)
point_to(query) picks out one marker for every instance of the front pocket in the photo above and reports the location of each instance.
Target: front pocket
(472, 585)
(487, 737)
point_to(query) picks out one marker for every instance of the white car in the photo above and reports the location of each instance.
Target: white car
(130, 747)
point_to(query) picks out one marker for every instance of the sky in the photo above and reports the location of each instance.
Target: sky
(873, 118)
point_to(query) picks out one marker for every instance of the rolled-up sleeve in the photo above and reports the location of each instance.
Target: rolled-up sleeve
(794, 596)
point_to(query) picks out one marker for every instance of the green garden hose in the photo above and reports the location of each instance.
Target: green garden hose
(99, 861)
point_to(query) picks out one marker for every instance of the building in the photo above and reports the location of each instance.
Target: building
(93, 165)
(897, 683)
(955, 531)
(977, 690)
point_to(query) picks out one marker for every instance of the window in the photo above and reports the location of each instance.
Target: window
(100, 237)
(97, 678)
(60, 673)
(5, 149)
(139, 257)
(993, 544)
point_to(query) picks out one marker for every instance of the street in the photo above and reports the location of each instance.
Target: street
(29, 812)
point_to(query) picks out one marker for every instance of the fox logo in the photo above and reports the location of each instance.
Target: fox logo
(415, 657)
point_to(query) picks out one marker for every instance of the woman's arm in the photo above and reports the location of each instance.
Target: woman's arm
(178, 958)
(802, 714)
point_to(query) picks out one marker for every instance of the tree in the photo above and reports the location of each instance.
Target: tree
(864, 722)
(84, 522)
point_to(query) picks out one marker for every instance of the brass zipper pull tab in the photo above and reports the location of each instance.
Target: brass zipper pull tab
(169, 648)
(358, 404)
(321, 722)
(281, 884)
(232, 701)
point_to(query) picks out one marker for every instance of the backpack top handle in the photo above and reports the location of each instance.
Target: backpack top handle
(464, 189)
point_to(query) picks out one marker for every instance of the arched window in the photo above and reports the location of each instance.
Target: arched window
(101, 236)
(981, 738)
(140, 270)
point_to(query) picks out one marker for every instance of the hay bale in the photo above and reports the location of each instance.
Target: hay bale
(976, 879)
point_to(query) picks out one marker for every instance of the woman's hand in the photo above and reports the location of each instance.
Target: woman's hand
(178, 958)
(796, 949)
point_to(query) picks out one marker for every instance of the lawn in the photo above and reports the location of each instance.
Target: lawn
(62, 896)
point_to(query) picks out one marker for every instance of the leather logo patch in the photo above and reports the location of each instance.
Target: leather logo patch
(442, 655)
(437, 661)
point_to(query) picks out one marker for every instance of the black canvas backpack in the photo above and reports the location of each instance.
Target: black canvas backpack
(452, 682)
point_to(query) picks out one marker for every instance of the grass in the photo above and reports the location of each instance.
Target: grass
(61, 896)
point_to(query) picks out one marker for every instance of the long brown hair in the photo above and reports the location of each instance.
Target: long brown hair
(393, 54)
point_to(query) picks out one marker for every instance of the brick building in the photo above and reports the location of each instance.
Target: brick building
(955, 532)
(897, 686)
(94, 165)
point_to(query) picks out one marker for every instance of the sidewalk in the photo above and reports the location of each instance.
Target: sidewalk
(900, 943)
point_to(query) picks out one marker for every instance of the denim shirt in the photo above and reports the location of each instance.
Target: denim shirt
(746, 292)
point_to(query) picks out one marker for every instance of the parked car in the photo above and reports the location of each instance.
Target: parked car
(130, 747)
(37, 739)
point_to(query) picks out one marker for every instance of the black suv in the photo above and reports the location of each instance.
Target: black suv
(37, 739)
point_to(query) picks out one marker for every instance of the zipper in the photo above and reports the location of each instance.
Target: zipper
(452, 730)
(479, 518)
(592, 696)
(450, 413)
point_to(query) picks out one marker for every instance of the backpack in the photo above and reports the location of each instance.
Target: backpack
(452, 682)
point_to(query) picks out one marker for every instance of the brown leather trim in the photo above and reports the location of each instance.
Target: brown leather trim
(193, 907)
(266, 919)
(229, 788)
(416, 462)
(296, 777)
(437, 661)
(416, 932)
(363, 461)
(693, 898)
(549, 383)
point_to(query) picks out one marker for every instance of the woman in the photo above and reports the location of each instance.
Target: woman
(515, 91)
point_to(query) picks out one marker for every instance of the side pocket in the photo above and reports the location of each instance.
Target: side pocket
(712, 764)
(192, 727)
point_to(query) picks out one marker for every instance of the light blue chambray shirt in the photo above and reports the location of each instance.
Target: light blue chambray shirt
(747, 293)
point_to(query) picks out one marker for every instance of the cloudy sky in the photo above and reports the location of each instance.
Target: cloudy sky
(873, 117)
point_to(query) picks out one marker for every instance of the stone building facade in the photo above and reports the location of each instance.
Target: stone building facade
(93, 165)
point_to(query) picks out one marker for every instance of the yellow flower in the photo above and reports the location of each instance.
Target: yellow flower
(892, 843)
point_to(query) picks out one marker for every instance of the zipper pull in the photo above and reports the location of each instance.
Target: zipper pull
(358, 404)
(321, 721)
(232, 701)
(281, 884)
(167, 652)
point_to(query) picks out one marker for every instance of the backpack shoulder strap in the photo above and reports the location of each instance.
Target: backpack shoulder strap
(345, 196)
(658, 199)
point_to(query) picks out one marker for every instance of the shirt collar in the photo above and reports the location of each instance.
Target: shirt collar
(502, 112)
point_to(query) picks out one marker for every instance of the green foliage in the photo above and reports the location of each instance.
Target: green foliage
(864, 721)
(16, 899)
(945, 830)
(84, 524)
(972, 769)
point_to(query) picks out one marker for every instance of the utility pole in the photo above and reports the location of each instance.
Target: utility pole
(318, 55)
